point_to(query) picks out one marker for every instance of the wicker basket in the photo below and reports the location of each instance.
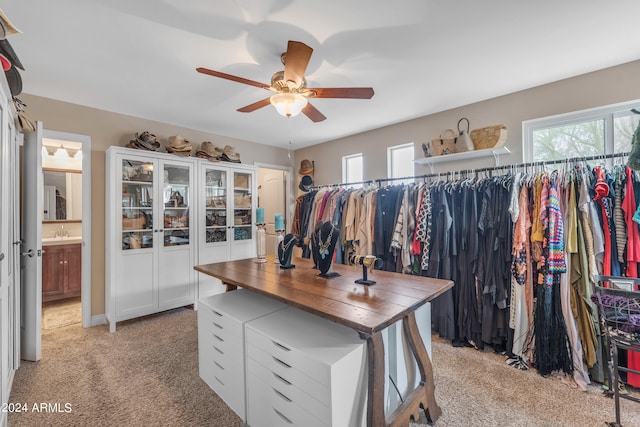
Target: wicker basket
(489, 137)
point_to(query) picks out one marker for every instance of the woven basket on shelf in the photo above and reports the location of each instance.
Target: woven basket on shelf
(489, 137)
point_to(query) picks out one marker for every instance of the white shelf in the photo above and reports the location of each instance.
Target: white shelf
(456, 157)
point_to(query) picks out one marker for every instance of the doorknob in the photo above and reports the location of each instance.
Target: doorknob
(30, 253)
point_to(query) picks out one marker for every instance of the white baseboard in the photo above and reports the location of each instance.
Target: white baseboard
(99, 319)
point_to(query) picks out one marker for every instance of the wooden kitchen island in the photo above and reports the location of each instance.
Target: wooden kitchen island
(366, 309)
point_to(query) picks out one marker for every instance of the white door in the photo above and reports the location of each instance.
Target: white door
(31, 283)
(272, 197)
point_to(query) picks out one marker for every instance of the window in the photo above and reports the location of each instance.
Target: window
(352, 168)
(400, 162)
(598, 131)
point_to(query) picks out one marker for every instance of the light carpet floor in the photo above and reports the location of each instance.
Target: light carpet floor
(146, 374)
(56, 314)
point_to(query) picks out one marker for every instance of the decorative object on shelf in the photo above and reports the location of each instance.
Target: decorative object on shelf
(368, 263)
(179, 146)
(144, 141)
(261, 239)
(445, 144)
(229, 155)
(175, 200)
(489, 137)
(305, 183)
(306, 167)
(209, 151)
(464, 142)
(285, 250)
(323, 245)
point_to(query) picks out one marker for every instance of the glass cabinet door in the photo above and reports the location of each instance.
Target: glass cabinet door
(242, 202)
(216, 206)
(175, 199)
(137, 204)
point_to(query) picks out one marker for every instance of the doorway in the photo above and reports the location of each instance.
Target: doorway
(274, 194)
(66, 231)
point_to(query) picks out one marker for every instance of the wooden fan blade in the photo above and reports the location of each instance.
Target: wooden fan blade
(256, 105)
(296, 61)
(232, 78)
(313, 113)
(342, 92)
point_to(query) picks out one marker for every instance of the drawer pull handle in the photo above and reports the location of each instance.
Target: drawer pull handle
(280, 362)
(218, 350)
(219, 365)
(218, 338)
(217, 326)
(216, 313)
(282, 395)
(277, 344)
(281, 379)
(282, 416)
(218, 380)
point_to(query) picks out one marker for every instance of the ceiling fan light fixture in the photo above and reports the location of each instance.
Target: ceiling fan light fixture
(288, 104)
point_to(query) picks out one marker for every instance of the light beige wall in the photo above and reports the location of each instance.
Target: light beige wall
(608, 86)
(107, 129)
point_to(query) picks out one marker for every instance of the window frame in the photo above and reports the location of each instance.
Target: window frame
(606, 113)
(345, 167)
(395, 148)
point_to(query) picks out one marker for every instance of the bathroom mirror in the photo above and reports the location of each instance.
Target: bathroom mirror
(62, 195)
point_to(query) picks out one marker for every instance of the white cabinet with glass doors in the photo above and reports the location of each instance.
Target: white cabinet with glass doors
(226, 223)
(150, 246)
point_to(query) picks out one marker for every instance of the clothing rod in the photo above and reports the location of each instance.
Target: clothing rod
(344, 184)
(512, 166)
(379, 181)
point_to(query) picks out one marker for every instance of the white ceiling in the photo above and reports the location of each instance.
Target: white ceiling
(138, 57)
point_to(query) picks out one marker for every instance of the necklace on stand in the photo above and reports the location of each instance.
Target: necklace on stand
(285, 247)
(324, 246)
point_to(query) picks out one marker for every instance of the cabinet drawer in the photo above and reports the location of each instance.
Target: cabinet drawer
(216, 320)
(267, 407)
(228, 386)
(288, 354)
(298, 379)
(291, 392)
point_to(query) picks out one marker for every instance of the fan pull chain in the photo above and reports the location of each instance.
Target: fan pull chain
(290, 143)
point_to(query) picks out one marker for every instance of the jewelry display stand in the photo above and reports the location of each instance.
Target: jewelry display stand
(323, 245)
(367, 262)
(279, 238)
(261, 237)
(285, 250)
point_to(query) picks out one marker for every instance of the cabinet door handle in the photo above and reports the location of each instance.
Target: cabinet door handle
(282, 395)
(277, 344)
(218, 338)
(282, 416)
(280, 362)
(218, 365)
(216, 313)
(217, 326)
(218, 350)
(280, 378)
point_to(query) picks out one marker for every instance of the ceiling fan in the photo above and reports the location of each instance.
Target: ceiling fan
(290, 86)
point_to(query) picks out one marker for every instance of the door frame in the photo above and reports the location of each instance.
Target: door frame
(86, 218)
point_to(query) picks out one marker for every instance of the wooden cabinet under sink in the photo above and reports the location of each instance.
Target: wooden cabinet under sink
(61, 271)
